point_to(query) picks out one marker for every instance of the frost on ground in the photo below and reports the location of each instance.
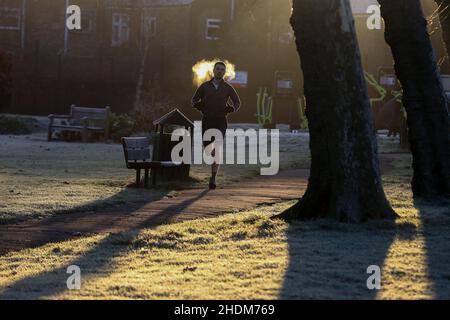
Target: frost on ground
(40, 178)
(248, 256)
(237, 256)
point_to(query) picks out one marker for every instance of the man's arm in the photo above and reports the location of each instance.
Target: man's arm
(235, 99)
(196, 100)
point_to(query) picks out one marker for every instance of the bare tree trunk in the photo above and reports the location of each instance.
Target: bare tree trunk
(345, 181)
(141, 75)
(444, 18)
(423, 95)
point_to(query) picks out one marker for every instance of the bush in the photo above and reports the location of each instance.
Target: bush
(121, 126)
(138, 120)
(13, 125)
(153, 104)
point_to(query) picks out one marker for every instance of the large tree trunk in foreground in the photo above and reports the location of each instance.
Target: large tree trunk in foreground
(444, 18)
(345, 179)
(423, 95)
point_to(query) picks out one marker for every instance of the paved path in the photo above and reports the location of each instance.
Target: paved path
(186, 205)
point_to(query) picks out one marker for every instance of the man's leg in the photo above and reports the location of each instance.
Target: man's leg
(214, 169)
(218, 152)
(216, 146)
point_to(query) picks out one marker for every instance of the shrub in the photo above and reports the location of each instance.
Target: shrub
(153, 104)
(121, 126)
(138, 120)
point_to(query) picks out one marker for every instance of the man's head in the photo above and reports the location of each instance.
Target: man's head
(219, 70)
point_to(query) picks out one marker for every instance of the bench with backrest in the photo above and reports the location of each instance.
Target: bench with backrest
(137, 157)
(83, 120)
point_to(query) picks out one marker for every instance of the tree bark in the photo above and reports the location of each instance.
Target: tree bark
(345, 181)
(423, 95)
(444, 18)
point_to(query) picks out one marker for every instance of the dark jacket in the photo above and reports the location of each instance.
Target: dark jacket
(212, 102)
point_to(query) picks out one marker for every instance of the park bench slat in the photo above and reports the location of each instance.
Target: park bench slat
(76, 128)
(169, 164)
(138, 142)
(138, 154)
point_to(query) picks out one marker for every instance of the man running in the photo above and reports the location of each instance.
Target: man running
(212, 99)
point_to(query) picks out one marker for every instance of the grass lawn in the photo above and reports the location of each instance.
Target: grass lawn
(40, 178)
(247, 255)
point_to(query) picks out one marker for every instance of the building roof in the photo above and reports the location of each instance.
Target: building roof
(175, 117)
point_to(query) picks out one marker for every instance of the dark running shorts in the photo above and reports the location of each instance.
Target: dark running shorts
(219, 123)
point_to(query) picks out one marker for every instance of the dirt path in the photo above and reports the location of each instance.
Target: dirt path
(186, 205)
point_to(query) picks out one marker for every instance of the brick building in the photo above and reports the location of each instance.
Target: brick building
(99, 64)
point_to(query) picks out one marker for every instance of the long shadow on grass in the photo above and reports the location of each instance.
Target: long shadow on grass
(329, 260)
(76, 221)
(94, 263)
(435, 217)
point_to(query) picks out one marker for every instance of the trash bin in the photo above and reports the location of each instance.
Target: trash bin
(162, 144)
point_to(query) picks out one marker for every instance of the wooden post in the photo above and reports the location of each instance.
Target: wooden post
(146, 178)
(107, 122)
(84, 133)
(138, 177)
(154, 170)
(160, 142)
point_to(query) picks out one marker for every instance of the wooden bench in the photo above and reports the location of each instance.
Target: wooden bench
(81, 119)
(137, 157)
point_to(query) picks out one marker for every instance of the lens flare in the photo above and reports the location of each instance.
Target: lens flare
(203, 71)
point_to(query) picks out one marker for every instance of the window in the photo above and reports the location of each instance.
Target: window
(213, 29)
(10, 19)
(87, 22)
(120, 29)
(148, 27)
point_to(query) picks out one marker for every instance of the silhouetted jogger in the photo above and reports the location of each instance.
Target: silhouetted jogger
(212, 99)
